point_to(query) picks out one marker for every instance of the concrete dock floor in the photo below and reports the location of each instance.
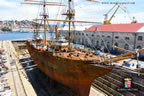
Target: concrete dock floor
(17, 80)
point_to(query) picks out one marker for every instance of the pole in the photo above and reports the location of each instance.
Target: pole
(137, 54)
(138, 65)
(45, 29)
(69, 23)
(69, 34)
(56, 28)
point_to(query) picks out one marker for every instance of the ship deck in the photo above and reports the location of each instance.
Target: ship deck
(77, 55)
(74, 54)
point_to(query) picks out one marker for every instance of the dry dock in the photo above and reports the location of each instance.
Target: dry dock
(23, 78)
(24, 83)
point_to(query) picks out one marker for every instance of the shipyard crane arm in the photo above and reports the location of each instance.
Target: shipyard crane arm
(121, 49)
(106, 21)
(130, 54)
(110, 10)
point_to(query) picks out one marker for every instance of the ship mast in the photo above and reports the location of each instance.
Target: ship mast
(45, 17)
(70, 13)
(44, 3)
(69, 22)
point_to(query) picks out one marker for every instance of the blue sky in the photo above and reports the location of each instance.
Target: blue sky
(13, 10)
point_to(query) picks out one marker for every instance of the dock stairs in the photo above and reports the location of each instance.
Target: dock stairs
(114, 80)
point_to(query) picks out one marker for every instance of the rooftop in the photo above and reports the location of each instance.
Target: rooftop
(137, 27)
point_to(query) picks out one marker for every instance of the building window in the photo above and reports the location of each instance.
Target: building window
(92, 35)
(79, 40)
(102, 43)
(86, 41)
(139, 47)
(108, 45)
(83, 34)
(82, 40)
(86, 34)
(116, 44)
(97, 44)
(127, 38)
(102, 35)
(92, 41)
(108, 36)
(116, 37)
(79, 33)
(126, 47)
(140, 38)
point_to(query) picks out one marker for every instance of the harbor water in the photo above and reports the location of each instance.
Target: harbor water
(21, 36)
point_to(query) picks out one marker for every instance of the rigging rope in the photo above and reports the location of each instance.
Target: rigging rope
(105, 44)
(127, 12)
(59, 8)
(125, 40)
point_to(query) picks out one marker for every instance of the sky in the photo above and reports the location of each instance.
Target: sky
(84, 10)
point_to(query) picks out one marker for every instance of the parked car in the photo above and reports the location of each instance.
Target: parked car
(13, 61)
(4, 61)
(1, 62)
(3, 58)
(3, 53)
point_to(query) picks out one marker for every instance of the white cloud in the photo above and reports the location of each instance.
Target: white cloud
(18, 11)
(84, 11)
(5, 3)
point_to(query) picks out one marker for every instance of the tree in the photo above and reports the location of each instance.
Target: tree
(4, 29)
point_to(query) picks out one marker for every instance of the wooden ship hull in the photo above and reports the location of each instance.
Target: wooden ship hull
(78, 75)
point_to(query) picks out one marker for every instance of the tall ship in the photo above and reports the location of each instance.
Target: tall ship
(59, 60)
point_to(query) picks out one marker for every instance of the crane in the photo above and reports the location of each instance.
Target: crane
(133, 19)
(106, 21)
(130, 54)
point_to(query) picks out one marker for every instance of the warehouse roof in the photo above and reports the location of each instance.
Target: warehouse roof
(137, 27)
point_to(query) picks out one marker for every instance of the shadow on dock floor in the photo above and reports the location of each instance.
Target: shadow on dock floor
(43, 85)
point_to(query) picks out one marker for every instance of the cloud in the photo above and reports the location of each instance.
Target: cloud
(8, 4)
(84, 11)
(18, 13)
(94, 12)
